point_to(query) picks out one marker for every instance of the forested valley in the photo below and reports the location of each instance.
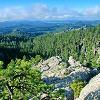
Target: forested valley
(20, 79)
(82, 44)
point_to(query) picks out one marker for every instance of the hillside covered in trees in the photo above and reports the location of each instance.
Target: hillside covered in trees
(49, 49)
(54, 66)
(83, 44)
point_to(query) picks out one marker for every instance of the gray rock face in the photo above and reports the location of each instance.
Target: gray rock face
(56, 72)
(44, 96)
(59, 83)
(92, 90)
(53, 67)
(73, 64)
(93, 95)
(53, 61)
(81, 74)
(69, 94)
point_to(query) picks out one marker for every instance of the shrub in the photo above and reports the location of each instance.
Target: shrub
(57, 95)
(77, 86)
(20, 81)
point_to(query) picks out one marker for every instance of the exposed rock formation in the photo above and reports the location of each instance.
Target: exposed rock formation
(53, 61)
(73, 64)
(79, 74)
(64, 83)
(57, 73)
(45, 96)
(92, 90)
(53, 67)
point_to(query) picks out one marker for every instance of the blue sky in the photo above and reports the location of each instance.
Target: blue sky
(49, 9)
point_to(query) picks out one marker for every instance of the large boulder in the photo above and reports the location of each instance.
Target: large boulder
(53, 67)
(73, 64)
(92, 90)
(55, 72)
(53, 61)
(64, 83)
(45, 96)
(83, 74)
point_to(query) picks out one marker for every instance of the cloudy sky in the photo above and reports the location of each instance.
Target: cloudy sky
(49, 10)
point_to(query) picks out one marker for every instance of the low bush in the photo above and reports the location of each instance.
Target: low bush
(77, 86)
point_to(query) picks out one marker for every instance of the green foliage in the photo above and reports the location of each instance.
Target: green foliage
(80, 44)
(36, 60)
(1, 63)
(77, 86)
(58, 95)
(21, 81)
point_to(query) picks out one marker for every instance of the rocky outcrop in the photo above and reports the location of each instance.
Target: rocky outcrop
(45, 96)
(52, 62)
(56, 72)
(79, 74)
(92, 90)
(53, 67)
(73, 64)
(69, 94)
(64, 83)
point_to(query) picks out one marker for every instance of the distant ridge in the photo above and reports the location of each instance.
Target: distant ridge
(38, 27)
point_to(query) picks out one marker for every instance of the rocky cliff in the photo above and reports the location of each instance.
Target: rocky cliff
(60, 75)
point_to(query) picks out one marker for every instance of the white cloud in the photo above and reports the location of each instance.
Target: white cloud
(13, 14)
(92, 13)
(42, 11)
